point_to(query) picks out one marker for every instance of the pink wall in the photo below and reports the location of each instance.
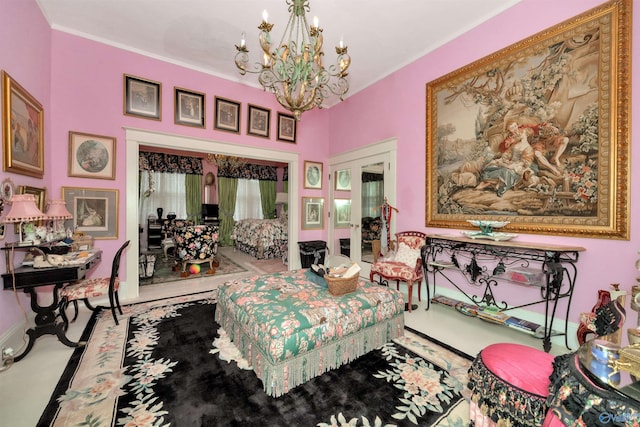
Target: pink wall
(80, 84)
(396, 106)
(25, 52)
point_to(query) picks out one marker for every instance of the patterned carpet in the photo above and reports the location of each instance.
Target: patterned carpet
(160, 366)
(163, 270)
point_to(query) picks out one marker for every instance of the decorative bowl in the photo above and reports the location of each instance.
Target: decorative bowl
(486, 226)
(485, 223)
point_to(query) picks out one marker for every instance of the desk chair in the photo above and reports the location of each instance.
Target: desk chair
(406, 264)
(94, 287)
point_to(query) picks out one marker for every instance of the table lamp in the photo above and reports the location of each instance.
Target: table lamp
(57, 211)
(24, 210)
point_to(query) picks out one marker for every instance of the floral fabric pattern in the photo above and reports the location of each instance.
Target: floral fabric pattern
(169, 163)
(371, 228)
(89, 288)
(261, 238)
(196, 243)
(577, 401)
(277, 318)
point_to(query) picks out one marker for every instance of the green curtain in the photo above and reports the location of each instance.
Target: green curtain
(193, 194)
(285, 186)
(268, 198)
(227, 191)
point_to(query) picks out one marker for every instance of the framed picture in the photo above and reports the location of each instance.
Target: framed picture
(22, 130)
(94, 210)
(142, 98)
(537, 133)
(189, 108)
(39, 193)
(92, 156)
(227, 115)
(312, 213)
(8, 189)
(343, 180)
(341, 213)
(259, 122)
(313, 175)
(286, 128)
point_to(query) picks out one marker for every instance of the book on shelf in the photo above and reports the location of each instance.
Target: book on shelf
(492, 315)
(462, 307)
(517, 323)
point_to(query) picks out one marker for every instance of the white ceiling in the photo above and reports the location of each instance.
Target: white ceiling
(382, 35)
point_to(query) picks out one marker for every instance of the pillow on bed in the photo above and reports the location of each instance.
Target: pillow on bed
(407, 255)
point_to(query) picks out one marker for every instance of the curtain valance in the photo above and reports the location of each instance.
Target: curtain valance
(370, 177)
(247, 171)
(169, 163)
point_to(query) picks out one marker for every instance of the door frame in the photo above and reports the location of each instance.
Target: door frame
(387, 150)
(137, 137)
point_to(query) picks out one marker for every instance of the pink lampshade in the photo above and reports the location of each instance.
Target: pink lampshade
(58, 210)
(23, 209)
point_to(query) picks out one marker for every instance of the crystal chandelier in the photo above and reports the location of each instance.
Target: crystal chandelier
(293, 70)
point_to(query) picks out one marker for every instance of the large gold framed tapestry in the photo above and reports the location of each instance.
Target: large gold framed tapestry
(537, 133)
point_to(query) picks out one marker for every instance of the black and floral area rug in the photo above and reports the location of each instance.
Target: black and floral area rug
(169, 364)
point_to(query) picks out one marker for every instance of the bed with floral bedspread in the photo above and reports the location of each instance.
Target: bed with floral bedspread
(291, 329)
(261, 238)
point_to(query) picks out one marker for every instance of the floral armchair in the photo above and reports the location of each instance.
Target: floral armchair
(371, 229)
(197, 244)
(405, 265)
(169, 226)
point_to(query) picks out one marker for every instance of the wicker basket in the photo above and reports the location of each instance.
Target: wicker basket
(341, 285)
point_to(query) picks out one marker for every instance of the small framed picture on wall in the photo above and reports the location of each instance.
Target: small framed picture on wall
(189, 108)
(92, 156)
(313, 175)
(286, 128)
(259, 121)
(142, 98)
(227, 115)
(312, 213)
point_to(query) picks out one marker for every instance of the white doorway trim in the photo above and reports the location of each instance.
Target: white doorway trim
(136, 137)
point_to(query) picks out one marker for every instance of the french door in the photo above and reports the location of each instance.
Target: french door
(360, 180)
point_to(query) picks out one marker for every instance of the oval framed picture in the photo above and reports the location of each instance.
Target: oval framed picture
(92, 156)
(8, 189)
(313, 175)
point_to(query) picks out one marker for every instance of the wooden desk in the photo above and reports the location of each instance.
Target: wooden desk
(483, 264)
(29, 278)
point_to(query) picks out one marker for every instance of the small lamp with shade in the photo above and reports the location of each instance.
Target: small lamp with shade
(24, 210)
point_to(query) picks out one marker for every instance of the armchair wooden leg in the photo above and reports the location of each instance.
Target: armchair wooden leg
(410, 290)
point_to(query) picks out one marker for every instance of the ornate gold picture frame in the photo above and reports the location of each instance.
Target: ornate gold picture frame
(537, 133)
(22, 130)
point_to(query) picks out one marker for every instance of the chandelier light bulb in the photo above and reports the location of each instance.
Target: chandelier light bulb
(316, 21)
(242, 42)
(265, 16)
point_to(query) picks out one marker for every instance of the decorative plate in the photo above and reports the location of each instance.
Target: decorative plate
(8, 190)
(498, 237)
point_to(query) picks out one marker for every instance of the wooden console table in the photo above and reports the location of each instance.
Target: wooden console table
(486, 263)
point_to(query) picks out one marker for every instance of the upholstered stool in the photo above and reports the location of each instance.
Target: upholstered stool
(509, 382)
